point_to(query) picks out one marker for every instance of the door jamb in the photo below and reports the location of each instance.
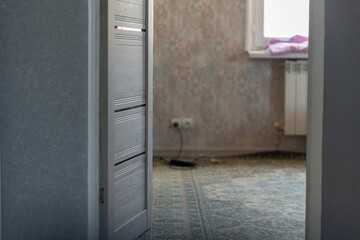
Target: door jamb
(93, 120)
(149, 106)
(315, 120)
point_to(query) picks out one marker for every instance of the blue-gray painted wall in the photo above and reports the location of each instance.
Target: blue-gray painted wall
(43, 118)
(341, 137)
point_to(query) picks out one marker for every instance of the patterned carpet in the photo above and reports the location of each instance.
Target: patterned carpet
(230, 199)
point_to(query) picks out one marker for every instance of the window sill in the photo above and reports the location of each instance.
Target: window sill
(267, 55)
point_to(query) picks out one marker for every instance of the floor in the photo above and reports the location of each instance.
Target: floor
(230, 198)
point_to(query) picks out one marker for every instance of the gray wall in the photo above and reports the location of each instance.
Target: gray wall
(43, 118)
(341, 139)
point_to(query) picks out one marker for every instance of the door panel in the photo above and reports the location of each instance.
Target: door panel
(127, 71)
(130, 190)
(129, 99)
(125, 118)
(130, 13)
(129, 134)
(131, 230)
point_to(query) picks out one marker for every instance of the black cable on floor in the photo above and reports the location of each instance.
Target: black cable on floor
(178, 162)
(181, 142)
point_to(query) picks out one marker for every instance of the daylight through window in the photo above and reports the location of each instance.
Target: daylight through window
(286, 18)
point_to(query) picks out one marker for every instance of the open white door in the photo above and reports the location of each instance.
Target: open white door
(125, 118)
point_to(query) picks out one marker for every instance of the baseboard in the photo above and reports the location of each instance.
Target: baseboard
(208, 152)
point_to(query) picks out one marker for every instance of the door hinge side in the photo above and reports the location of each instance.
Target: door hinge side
(101, 195)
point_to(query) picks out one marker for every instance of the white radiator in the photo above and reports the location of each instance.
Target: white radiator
(296, 81)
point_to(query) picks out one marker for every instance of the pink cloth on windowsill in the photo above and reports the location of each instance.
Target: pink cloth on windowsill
(296, 44)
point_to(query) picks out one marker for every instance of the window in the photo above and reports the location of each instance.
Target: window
(275, 19)
(286, 18)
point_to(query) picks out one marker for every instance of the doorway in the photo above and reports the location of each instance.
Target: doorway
(201, 71)
(315, 120)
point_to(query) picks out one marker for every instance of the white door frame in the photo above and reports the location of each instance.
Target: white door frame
(315, 120)
(93, 120)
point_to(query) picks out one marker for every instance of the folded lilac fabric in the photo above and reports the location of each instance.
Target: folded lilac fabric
(295, 44)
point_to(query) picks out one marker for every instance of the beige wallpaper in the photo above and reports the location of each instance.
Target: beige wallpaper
(202, 71)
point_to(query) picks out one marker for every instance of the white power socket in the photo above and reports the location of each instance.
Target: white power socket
(187, 123)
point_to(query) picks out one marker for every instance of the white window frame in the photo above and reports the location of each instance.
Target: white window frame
(254, 25)
(255, 40)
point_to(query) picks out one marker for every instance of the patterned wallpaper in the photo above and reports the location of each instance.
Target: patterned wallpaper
(202, 71)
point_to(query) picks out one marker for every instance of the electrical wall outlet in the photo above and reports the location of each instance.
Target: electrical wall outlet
(182, 123)
(187, 123)
(175, 123)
